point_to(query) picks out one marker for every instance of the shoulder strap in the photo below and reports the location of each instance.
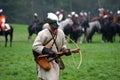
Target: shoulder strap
(47, 42)
(54, 37)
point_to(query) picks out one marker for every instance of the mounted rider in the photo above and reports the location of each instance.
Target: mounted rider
(3, 25)
(36, 19)
(102, 12)
(61, 15)
(2, 20)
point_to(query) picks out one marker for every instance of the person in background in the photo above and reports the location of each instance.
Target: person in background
(61, 15)
(2, 20)
(36, 18)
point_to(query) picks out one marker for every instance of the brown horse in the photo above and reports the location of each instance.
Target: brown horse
(116, 21)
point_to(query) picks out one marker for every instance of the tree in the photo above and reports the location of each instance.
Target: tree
(21, 11)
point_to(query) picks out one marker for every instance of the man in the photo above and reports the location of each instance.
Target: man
(2, 20)
(102, 12)
(50, 41)
(36, 19)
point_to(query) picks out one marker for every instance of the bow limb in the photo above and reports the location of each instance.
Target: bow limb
(79, 52)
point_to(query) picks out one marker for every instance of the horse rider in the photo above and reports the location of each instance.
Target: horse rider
(61, 15)
(50, 41)
(2, 20)
(36, 19)
(102, 12)
(35, 23)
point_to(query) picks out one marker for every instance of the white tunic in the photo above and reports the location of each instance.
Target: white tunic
(43, 37)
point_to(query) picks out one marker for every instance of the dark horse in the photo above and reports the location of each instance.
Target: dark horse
(110, 28)
(72, 29)
(73, 32)
(6, 33)
(116, 21)
(34, 29)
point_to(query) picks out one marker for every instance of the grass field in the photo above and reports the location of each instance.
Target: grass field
(100, 60)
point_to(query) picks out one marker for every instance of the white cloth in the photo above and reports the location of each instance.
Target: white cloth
(7, 27)
(43, 37)
(52, 74)
(45, 26)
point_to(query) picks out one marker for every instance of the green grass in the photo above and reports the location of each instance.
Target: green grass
(100, 60)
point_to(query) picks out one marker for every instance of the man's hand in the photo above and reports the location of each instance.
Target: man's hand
(48, 51)
(66, 52)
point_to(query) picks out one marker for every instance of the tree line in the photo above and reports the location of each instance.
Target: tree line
(21, 11)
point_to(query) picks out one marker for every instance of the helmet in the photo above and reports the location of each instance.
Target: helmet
(101, 9)
(69, 16)
(72, 13)
(76, 15)
(1, 10)
(57, 12)
(35, 14)
(85, 13)
(52, 19)
(118, 12)
(81, 13)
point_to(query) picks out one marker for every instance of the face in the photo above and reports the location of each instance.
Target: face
(54, 25)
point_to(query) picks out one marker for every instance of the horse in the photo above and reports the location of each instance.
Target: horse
(8, 31)
(74, 31)
(34, 29)
(94, 26)
(116, 21)
(110, 28)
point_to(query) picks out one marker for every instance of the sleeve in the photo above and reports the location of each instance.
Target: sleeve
(38, 43)
(63, 40)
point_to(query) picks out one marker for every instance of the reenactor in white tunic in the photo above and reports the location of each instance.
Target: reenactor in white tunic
(43, 45)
